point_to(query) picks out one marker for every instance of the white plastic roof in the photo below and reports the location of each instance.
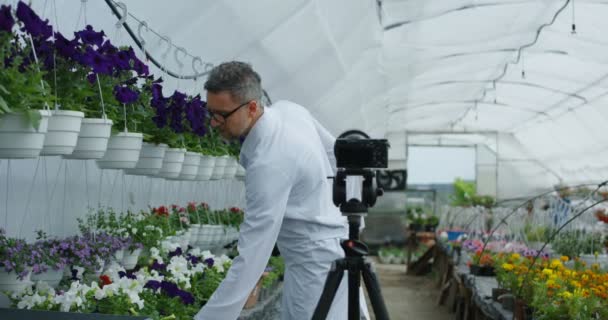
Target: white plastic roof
(425, 65)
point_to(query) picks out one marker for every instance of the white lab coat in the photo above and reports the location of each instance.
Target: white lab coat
(288, 156)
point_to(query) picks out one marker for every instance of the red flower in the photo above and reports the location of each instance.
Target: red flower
(204, 205)
(174, 206)
(235, 210)
(182, 209)
(105, 280)
(191, 206)
(161, 211)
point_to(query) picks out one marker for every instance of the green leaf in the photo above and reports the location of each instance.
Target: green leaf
(34, 116)
(4, 106)
(3, 90)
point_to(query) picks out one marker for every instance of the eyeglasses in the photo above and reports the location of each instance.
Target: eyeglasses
(221, 117)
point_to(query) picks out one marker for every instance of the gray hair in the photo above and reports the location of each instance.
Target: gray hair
(238, 79)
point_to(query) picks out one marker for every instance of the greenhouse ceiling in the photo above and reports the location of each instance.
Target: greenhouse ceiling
(529, 76)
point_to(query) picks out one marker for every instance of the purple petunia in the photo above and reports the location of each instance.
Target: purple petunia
(90, 36)
(177, 252)
(210, 262)
(96, 61)
(153, 285)
(158, 266)
(6, 19)
(32, 22)
(178, 102)
(195, 113)
(125, 95)
(66, 48)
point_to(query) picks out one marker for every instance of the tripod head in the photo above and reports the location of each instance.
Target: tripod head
(355, 154)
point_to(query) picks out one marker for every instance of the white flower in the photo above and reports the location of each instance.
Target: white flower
(155, 254)
(134, 230)
(196, 252)
(144, 234)
(99, 294)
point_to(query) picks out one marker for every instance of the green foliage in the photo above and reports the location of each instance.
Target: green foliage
(463, 193)
(21, 89)
(575, 243)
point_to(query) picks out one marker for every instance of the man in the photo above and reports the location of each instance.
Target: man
(288, 156)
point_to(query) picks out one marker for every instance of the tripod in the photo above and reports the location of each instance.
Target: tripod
(353, 262)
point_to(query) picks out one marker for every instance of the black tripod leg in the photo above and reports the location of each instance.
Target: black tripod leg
(373, 291)
(354, 282)
(334, 278)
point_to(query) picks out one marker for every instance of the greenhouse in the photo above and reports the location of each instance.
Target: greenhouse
(294, 159)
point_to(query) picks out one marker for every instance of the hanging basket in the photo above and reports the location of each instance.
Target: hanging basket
(92, 139)
(51, 277)
(150, 160)
(192, 162)
(19, 139)
(172, 163)
(62, 133)
(206, 167)
(230, 169)
(123, 151)
(220, 166)
(9, 281)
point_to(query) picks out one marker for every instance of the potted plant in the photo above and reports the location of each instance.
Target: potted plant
(157, 134)
(431, 223)
(482, 264)
(47, 265)
(15, 255)
(22, 94)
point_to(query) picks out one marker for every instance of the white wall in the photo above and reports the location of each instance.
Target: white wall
(42, 194)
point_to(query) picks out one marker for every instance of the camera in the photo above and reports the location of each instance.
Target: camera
(354, 150)
(355, 155)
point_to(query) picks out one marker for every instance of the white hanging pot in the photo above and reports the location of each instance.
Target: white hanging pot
(220, 165)
(92, 139)
(62, 133)
(18, 138)
(230, 169)
(150, 160)
(192, 162)
(172, 163)
(9, 281)
(123, 151)
(206, 167)
(129, 260)
(51, 277)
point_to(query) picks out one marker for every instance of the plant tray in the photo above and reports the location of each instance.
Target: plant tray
(21, 314)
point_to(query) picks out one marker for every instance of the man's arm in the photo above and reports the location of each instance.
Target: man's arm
(267, 190)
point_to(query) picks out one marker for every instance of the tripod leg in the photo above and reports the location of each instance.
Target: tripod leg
(334, 278)
(373, 290)
(354, 282)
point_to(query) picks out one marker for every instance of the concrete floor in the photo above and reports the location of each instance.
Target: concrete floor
(408, 297)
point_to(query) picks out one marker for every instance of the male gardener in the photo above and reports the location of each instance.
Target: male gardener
(288, 156)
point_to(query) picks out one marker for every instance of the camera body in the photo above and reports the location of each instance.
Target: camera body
(361, 153)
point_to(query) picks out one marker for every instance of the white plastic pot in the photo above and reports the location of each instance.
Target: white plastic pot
(10, 282)
(19, 139)
(62, 133)
(218, 169)
(192, 162)
(129, 260)
(51, 277)
(123, 151)
(230, 169)
(172, 163)
(150, 160)
(92, 139)
(206, 167)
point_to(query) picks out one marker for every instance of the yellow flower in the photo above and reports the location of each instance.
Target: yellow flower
(547, 272)
(585, 277)
(566, 295)
(564, 258)
(508, 266)
(556, 264)
(515, 256)
(575, 283)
